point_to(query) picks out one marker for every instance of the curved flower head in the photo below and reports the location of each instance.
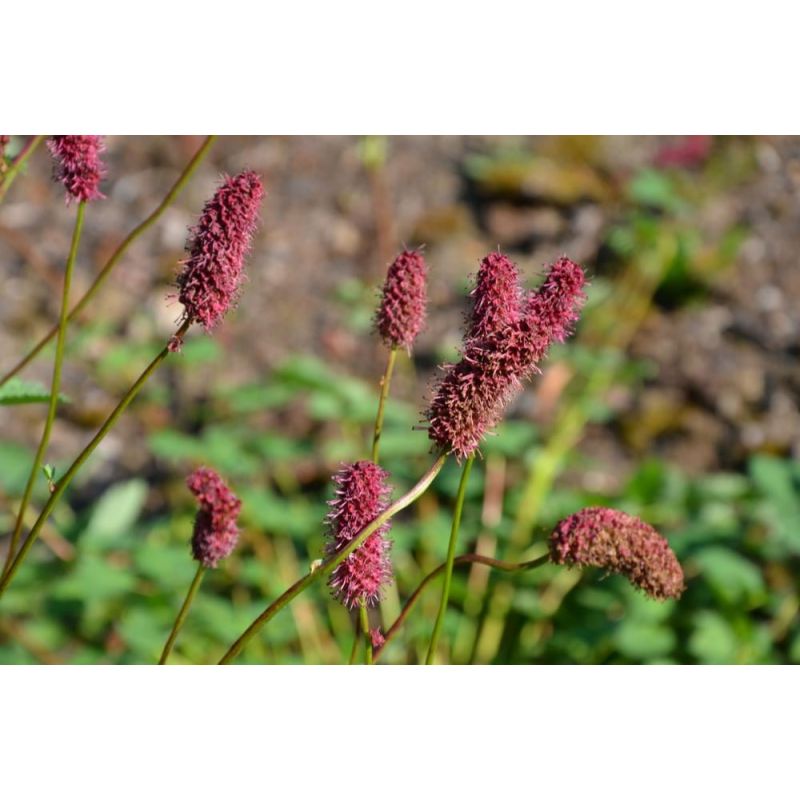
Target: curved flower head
(212, 274)
(78, 165)
(496, 297)
(473, 394)
(361, 495)
(619, 542)
(215, 531)
(401, 313)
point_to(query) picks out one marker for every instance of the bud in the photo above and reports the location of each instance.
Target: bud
(215, 531)
(78, 165)
(401, 313)
(361, 496)
(619, 542)
(212, 274)
(473, 394)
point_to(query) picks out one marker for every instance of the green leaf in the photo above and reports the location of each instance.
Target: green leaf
(713, 640)
(731, 576)
(641, 640)
(94, 580)
(17, 392)
(115, 513)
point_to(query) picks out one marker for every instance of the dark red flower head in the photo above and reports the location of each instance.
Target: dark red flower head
(401, 314)
(215, 530)
(212, 274)
(619, 542)
(78, 165)
(473, 394)
(361, 496)
(496, 297)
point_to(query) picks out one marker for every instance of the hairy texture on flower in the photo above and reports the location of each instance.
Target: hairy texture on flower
(212, 274)
(215, 531)
(496, 298)
(473, 394)
(78, 165)
(401, 313)
(619, 542)
(361, 495)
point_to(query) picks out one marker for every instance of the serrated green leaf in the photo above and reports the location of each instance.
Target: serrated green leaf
(17, 392)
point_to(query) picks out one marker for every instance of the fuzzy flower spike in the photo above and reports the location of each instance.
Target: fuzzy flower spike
(212, 274)
(361, 495)
(215, 531)
(401, 313)
(619, 542)
(473, 394)
(496, 298)
(78, 165)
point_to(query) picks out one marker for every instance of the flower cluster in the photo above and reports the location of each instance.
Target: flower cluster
(503, 347)
(212, 274)
(78, 165)
(401, 313)
(215, 531)
(619, 542)
(361, 495)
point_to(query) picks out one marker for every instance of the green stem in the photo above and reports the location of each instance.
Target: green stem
(18, 163)
(385, 383)
(331, 563)
(470, 558)
(451, 552)
(117, 255)
(55, 386)
(65, 480)
(354, 650)
(179, 620)
(364, 618)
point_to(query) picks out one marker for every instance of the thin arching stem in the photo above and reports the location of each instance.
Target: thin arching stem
(18, 163)
(470, 558)
(179, 620)
(364, 619)
(451, 553)
(333, 561)
(67, 477)
(55, 387)
(102, 276)
(386, 381)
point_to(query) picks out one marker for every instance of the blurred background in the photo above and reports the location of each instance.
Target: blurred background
(675, 401)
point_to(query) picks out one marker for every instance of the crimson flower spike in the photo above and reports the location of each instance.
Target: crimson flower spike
(215, 530)
(362, 494)
(211, 276)
(496, 298)
(401, 313)
(473, 394)
(78, 165)
(618, 542)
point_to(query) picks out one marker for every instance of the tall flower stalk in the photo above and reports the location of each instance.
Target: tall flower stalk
(115, 257)
(55, 388)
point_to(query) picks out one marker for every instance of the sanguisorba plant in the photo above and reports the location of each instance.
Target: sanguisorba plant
(509, 331)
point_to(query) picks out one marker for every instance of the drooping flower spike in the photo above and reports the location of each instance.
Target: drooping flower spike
(361, 495)
(401, 313)
(618, 542)
(78, 165)
(474, 393)
(215, 530)
(212, 274)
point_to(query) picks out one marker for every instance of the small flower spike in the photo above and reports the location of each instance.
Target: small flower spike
(619, 542)
(215, 531)
(496, 298)
(78, 165)
(212, 274)
(401, 313)
(361, 495)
